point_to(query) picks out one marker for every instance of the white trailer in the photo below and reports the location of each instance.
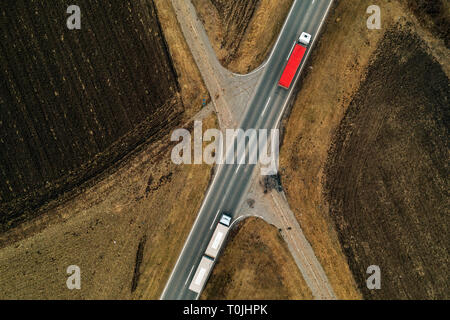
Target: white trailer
(201, 275)
(216, 241)
(218, 236)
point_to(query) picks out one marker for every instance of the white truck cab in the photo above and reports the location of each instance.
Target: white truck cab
(304, 38)
(225, 220)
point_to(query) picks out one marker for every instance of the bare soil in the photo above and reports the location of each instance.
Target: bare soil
(256, 264)
(75, 102)
(434, 15)
(387, 172)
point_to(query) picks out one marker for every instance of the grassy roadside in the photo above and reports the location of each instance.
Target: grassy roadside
(193, 90)
(242, 36)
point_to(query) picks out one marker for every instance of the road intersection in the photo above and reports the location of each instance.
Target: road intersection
(231, 183)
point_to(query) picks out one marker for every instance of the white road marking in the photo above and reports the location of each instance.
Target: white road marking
(267, 104)
(189, 274)
(214, 219)
(290, 52)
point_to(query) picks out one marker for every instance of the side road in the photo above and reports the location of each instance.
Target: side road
(229, 92)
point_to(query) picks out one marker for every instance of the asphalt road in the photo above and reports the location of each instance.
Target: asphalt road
(264, 111)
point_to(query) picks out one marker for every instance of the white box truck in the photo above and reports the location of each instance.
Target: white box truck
(218, 236)
(201, 275)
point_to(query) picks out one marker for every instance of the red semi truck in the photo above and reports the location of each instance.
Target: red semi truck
(296, 57)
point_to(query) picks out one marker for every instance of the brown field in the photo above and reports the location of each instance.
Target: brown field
(335, 82)
(140, 213)
(75, 102)
(387, 174)
(125, 228)
(434, 15)
(256, 264)
(242, 33)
